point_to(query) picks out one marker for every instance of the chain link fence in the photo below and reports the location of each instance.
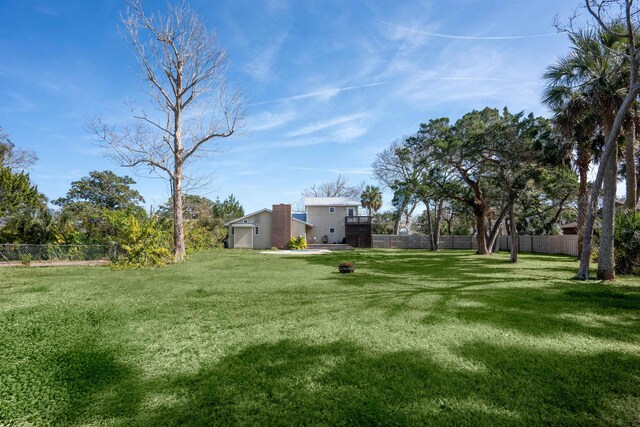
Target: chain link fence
(18, 252)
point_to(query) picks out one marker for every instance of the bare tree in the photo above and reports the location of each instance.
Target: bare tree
(618, 18)
(338, 188)
(12, 157)
(184, 69)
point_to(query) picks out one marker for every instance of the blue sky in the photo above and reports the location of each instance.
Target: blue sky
(328, 84)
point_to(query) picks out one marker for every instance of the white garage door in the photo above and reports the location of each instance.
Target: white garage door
(243, 237)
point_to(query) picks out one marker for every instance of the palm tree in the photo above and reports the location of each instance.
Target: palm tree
(579, 127)
(371, 198)
(591, 81)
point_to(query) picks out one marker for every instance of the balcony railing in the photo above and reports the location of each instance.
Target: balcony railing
(357, 220)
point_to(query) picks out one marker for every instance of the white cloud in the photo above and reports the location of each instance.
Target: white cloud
(268, 120)
(337, 171)
(318, 126)
(321, 93)
(262, 64)
(458, 37)
(349, 132)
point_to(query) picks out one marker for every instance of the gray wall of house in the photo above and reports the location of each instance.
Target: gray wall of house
(262, 221)
(323, 220)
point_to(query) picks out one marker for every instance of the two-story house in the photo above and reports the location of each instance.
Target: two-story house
(327, 214)
(322, 222)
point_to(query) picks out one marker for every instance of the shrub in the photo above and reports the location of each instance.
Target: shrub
(297, 243)
(197, 237)
(627, 242)
(141, 241)
(25, 259)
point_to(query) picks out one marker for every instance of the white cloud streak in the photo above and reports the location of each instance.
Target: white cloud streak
(323, 93)
(318, 126)
(456, 37)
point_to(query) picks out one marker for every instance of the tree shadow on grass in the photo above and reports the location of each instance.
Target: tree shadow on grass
(447, 266)
(342, 383)
(485, 290)
(96, 385)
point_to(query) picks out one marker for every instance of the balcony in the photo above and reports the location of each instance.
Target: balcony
(353, 220)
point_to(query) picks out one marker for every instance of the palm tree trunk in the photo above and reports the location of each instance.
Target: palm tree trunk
(606, 259)
(630, 161)
(610, 150)
(584, 158)
(514, 236)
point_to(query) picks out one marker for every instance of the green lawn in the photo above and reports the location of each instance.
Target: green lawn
(235, 337)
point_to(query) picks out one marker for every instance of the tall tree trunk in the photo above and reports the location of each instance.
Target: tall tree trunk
(482, 235)
(398, 217)
(606, 259)
(630, 162)
(178, 174)
(178, 218)
(432, 245)
(437, 224)
(584, 158)
(514, 236)
(496, 228)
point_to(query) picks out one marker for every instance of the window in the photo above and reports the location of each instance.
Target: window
(257, 230)
(332, 210)
(351, 212)
(332, 230)
(245, 221)
(233, 231)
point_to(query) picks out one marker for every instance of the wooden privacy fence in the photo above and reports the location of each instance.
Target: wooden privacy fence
(567, 245)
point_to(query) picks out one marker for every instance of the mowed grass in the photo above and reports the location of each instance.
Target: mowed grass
(237, 337)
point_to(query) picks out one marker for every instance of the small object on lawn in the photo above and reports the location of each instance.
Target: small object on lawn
(346, 267)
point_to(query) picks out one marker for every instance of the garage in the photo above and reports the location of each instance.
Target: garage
(243, 236)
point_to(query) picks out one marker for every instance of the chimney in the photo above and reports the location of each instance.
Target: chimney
(281, 226)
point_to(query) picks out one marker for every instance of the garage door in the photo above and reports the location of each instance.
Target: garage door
(243, 237)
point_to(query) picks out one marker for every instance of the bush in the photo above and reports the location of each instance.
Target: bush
(197, 237)
(26, 259)
(627, 242)
(297, 243)
(142, 242)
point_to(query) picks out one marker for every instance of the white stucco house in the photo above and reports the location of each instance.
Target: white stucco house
(323, 220)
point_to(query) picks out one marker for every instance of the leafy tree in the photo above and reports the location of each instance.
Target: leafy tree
(397, 168)
(436, 181)
(371, 199)
(229, 209)
(87, 198)
(382, 223)
(628, 242)
(104, 190)
(204, 219)
(462, 148)
(19, 199)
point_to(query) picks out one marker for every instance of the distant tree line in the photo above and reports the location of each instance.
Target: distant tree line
(103, 208)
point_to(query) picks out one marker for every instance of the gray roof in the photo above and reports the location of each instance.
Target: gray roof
(260, 211)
